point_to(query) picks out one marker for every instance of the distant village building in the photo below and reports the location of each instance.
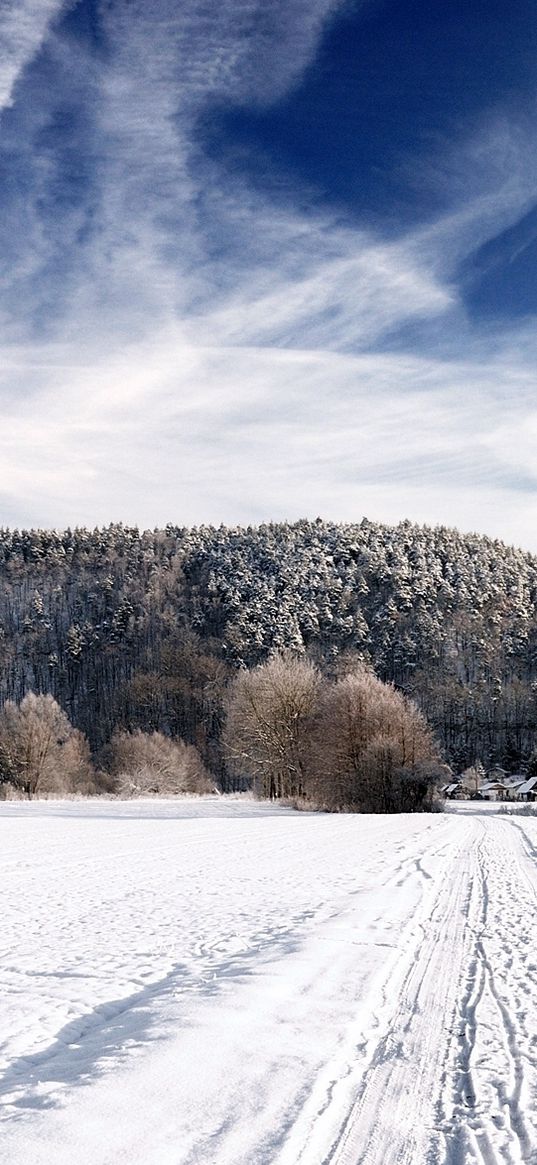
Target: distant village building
(453, 790)
(497, 786)
(513, 786)
(494, 791)
(528, 791)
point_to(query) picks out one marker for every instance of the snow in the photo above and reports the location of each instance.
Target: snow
(219, 982)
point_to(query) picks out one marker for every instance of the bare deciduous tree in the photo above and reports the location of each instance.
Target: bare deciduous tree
(270, 722)
(375, 750)
(149, 762)
(40, 751)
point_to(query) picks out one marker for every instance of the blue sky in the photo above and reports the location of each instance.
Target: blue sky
(269, 260)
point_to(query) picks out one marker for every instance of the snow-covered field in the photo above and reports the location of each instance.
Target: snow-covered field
(222, 983)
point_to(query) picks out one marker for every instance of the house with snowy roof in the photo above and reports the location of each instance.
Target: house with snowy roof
(528, 790)
(513, 785)
(456, 791)
(494, 791)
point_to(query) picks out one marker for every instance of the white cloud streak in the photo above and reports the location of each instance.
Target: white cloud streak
(243, 50)
(24, 25)
(340, 303)
(164, 430)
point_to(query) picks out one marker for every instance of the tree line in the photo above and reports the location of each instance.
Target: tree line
(145, 631)
(291, 734)
(41, 754)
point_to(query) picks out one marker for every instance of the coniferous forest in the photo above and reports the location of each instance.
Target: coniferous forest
(145, 630)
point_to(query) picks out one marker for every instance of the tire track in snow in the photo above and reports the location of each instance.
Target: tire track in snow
(379, 1048)
(494, 1089)
(392, 1117)
(451, 1074)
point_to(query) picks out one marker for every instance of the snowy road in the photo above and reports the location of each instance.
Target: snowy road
(220, 983)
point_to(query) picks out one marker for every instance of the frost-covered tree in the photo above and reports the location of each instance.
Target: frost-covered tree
(149, 762)
(40, 751)
(375, 751)
(354, 743)
(270, 723)
(473, 777)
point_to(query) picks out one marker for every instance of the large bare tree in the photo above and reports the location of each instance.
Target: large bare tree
(375, 749)
(40, 751)
(270, 724)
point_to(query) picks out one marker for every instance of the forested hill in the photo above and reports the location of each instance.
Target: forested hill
(145, 629)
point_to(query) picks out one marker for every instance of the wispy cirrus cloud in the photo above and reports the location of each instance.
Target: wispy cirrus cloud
(352, 291)
(354, 434)
(183, 344)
